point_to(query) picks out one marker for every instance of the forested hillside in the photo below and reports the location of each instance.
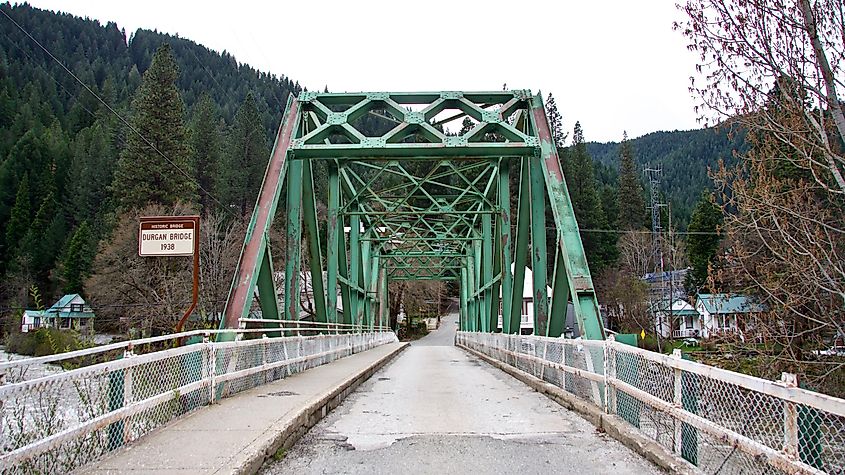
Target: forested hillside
(60, 193)
(684, 156)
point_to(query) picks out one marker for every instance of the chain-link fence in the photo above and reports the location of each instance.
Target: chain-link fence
(60, 422)
(719, 421)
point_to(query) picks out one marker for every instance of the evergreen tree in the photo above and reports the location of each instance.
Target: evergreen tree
(246, 159)
(20, 218)
(555, 122)
(630, 195)
(77, 260)
(143, 174)
(92, 171)
(466, 125)
(706, 219)
(44, 238)
(599, 247)
(205, 149)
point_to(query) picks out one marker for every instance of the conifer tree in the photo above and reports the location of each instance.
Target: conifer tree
(19, 219)
(555, 122)
(44, 238)
(152, 169)
(246, 159)
(599, 247)
(77, 260)
(630, 194)
(205, 149)
(703, 242)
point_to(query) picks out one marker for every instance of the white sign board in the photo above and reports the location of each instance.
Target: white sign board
(167, 236)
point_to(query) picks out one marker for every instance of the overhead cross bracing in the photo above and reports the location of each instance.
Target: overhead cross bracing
(410, 200)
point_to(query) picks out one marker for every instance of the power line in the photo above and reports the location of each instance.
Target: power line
(109, 107)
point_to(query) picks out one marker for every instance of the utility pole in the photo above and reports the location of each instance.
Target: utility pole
(653, 175)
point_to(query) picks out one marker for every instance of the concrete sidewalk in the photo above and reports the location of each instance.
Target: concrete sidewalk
(237, 434)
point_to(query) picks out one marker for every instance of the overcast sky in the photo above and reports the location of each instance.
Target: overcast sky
(613, 65)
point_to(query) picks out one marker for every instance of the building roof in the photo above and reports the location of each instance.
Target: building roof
(729, 303)
(680, 308)
(63, 302)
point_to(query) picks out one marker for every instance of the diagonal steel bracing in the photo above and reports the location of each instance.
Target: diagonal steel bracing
(411, 200)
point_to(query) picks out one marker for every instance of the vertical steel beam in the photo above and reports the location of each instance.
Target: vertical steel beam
(315, 262)
(472, 318)
(267, 298)
(480, 325)
(294, 238)
(343, 272)
(332, 242)
(463, 295)
(487, 273)
(560, 297)
(505, 257)
(497, 276)
(241, 292)
(578, 272)
(384, 306)
(367, 271)
(521, 251)
(355, 268)
(538, 247)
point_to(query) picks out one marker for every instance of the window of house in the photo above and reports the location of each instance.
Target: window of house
(76, 307)
(688, 322)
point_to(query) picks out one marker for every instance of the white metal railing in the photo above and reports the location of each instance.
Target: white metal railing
(686, 333)
(15, 370)
(60, 422)
(718, 420)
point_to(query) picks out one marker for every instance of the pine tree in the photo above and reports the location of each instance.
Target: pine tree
(555, 122)
(599, 247)
(143, 174)
(246, 159)
(706, 219)
(44, 238)
(20, 218)
(630, 194)
(77, 260)
(205, 149)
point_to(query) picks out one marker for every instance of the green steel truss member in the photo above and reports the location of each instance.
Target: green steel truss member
(412, 202)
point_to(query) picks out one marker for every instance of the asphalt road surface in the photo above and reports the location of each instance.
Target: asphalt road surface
(436, 409)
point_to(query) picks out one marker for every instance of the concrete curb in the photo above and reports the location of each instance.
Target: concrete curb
(613, 425)
(286, 432)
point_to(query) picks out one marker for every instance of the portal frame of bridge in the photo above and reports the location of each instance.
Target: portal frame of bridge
(412, 202)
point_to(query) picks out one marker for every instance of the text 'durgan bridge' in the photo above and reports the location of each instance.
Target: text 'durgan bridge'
(409, 199)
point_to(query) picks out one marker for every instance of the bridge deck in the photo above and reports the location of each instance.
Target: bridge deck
(232, 436)
(436, 409)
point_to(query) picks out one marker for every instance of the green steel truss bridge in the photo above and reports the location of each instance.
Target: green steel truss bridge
(413, 202)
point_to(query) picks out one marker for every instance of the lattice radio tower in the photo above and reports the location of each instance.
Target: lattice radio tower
(653, 175)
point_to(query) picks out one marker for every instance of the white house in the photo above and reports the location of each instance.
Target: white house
(726, 314)
(526, 323)
(70, 312)
(686, 318)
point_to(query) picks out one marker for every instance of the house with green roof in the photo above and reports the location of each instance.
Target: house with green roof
(727, 314)
(70, 312)
(678, 320)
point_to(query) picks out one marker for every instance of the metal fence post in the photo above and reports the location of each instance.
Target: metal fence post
(790, 418)
(212, 370)
(678, 400)
(606, 350)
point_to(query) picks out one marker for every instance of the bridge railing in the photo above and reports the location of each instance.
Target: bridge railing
(60, 422)
(24, 368)
(719, 421)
